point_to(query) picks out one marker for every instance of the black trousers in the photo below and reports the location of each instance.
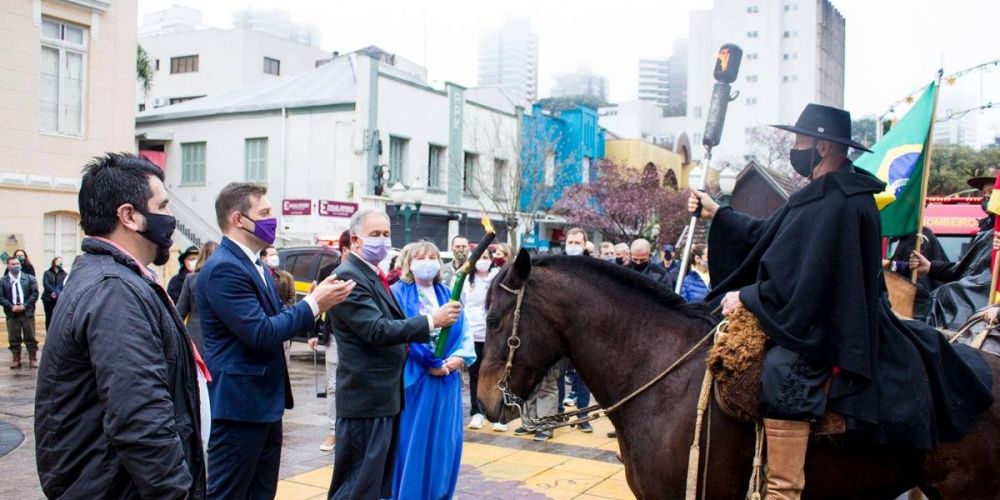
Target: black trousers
(364, 459)
(243, 460)
(792, 387)
(49, 306)
(474, 380)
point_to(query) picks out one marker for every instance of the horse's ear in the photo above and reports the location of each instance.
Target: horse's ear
(522, 265)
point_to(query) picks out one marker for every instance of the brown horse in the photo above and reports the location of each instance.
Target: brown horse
(621, 330)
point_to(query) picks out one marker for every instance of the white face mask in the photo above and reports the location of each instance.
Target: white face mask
(574, 250)
(483, 265)
(273, 261)
(425, 269)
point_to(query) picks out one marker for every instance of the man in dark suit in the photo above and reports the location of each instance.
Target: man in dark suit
(371, 332)
(244, 325)
(18, 294)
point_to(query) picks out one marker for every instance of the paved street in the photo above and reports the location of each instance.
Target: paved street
(494, 465)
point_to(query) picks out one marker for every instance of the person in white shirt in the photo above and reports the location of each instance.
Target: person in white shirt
(474, 293)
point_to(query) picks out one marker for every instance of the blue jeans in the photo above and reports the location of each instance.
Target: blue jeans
(581, 390)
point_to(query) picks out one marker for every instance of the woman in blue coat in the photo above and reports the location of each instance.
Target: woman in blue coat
(430, 426)
(697, 283)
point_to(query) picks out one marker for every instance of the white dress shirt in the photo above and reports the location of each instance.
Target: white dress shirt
(255, 260)
(16, 292)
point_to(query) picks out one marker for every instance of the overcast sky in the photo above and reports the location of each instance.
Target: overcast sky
(893, 46)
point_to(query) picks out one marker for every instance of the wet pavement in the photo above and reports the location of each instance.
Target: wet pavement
(494, 465)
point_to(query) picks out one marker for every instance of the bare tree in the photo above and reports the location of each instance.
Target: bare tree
(769, 147)
(520, 172)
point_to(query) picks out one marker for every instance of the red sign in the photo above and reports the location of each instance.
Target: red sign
(329, 208)
(296, 207)
(953, 219)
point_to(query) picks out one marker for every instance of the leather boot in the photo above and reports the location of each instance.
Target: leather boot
(787, 441)
(16, 362)
(32, 359)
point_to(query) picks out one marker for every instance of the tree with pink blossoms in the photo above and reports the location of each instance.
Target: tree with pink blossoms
(624, 204)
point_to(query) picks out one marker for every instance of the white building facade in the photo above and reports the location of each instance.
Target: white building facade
(508, 58)
(278, 24)
(654, 80)
(319, 139)
(192, 63)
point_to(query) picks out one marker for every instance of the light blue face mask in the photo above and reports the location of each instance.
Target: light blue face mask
(425, 269)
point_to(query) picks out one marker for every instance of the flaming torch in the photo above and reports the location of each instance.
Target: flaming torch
(456, 289)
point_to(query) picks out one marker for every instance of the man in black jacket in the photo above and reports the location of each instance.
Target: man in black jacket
(117, 402)
(371, 332)
(18, 294)
(641, 262)
(812, 275)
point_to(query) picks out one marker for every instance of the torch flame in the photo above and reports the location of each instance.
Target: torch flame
(488, 225)
(723, 59)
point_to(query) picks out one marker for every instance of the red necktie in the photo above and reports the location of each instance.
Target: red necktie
(385, 281)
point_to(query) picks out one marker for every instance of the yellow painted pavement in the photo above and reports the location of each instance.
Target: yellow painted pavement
(555, 475)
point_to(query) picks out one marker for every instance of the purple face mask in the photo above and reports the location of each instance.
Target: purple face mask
(375, 248)
(264, 229)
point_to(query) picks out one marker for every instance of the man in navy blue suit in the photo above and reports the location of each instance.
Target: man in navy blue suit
(244, 325)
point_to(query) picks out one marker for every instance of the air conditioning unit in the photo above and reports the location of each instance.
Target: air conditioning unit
(160, 102)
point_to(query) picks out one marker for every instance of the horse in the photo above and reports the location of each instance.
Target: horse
(621, 330)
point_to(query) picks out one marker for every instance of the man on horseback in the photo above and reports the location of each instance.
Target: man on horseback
(812, 275)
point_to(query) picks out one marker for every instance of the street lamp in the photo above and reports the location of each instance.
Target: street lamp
(695, 179)
(407, 202)
(727, 183)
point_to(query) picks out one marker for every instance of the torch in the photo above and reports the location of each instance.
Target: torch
(456, 288)
(727, 66)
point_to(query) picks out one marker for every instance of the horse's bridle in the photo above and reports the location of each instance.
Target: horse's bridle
(562, 419)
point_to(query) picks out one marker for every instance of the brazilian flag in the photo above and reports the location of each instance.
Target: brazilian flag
(898, 159)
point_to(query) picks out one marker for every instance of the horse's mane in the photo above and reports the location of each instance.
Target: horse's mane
(599, 271)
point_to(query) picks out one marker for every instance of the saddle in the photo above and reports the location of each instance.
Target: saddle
(736, 360)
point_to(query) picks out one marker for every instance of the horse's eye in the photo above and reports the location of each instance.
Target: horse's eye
(492, 322)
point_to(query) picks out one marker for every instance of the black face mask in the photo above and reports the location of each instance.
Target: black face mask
(159, 229)
(985, 203)
(620, 261)
(804, 160)
(640, 267)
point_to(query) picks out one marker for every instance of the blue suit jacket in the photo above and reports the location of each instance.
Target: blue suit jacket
(244, 326)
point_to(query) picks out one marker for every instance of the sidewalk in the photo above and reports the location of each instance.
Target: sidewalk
(494, 465)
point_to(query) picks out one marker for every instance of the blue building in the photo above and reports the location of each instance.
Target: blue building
(558, 150)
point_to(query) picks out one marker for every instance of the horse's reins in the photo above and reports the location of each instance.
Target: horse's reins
(563, 419)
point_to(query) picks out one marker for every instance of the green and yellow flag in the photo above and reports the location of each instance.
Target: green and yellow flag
(897, 159)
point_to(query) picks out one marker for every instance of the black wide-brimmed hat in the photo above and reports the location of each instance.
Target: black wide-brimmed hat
(826, 123)
(980, 183)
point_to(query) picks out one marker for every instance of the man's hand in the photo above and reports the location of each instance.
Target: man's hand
(439, 372)
(920, 263)
(447, 315)
(313, 342)
(990, 315)
(730, 303)
(708, 205)
(331, 292)
(996, 241)
(17, 309)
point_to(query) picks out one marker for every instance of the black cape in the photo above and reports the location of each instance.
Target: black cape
(812, 274)
(966, 287)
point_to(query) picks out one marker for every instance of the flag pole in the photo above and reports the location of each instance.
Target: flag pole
(993, 281)
(928, 152)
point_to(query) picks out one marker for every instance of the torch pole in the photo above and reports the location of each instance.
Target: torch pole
(689, 238)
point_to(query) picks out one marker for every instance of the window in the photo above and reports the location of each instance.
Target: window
(500, 181)
(303, 266)
(64, 59)
(272, 66)
(397, 159)
(785, 56)
(178, 100)
(784, 78)
(156, 65)
(193, 164)
(751, 78)
(697, 111)
(142, 107)
(753, 9)
(752, 56)
(751, 100)
(585, 173)
(435, 159)
(184, 64)
(787, 34)
(469, 173)
(61, 236)
(550, 168)
(255, 160)
(751, 34)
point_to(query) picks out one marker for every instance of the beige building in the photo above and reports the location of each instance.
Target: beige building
(67, 93)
